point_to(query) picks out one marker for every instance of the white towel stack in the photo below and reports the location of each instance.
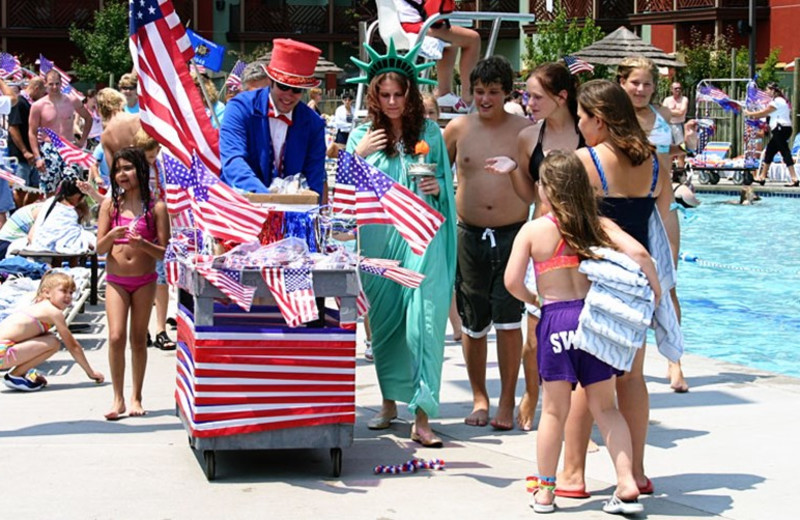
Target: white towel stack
(617, 310)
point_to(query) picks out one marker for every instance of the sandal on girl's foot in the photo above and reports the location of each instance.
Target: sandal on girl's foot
(163, 342)
(794, 184)
(617, 506)
(381, 422)
(546, 483)
(428, 440)
(541, 508)
(760, 181)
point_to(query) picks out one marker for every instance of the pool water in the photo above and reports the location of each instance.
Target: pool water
(740, 298)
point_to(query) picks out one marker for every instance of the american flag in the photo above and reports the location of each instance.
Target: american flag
(381, 200)
(10, 66)
(230, 283)
(179, 203)
(68, 151)
(293, 290)
(46, 65)
(234, 81)
(756, 98)
(10, 177)
(576, 65)
(171, 109)
(220, 211)
(211, 204)
(391, 269)
(711, 93)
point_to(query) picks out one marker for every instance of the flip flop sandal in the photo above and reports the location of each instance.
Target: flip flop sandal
(617, 506)
(163, 342)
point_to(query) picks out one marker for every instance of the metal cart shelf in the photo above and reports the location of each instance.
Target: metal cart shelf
(198, 294)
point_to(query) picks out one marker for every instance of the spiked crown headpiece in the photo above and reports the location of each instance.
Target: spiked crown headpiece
(392, 62)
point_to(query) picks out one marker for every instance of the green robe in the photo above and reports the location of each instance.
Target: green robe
(408, 325)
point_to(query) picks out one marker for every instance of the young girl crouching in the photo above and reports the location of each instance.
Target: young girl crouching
(26, 340)
(557, 242)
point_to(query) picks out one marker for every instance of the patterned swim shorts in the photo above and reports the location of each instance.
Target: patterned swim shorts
(55, 169)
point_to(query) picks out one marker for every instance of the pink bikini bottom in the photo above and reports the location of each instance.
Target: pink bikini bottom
(131, 284)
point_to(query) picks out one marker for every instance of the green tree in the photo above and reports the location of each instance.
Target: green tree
(559, 37)
(768, 71)
(708, 57)
(104, 44)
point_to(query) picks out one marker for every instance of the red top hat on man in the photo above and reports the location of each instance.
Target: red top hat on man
(292, 63)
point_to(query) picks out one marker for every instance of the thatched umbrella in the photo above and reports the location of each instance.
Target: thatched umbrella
(622, 43)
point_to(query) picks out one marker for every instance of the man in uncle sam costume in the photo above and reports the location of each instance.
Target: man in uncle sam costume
(269, 133)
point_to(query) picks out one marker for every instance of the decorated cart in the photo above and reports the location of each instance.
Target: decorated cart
(716, 108)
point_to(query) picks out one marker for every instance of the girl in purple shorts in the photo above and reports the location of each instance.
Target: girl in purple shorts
(557, 242)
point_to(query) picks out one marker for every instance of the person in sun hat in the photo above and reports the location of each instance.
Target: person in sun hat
(269, 133)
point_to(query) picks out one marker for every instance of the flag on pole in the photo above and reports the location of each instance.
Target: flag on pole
(207, 54)
(710, 93)
(179, 203)
(220, 211)
(10, 66)
(391, 269)
(68, 151)
(230, 283)
(46, 66)
(234, 81)
(576, 65)
(293, 290)
(756, 98)
(381, 200)
(10, 177)
(171, 108)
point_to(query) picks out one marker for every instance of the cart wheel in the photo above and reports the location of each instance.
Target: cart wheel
(738, 177)
(336, 459)
(714, 178)
(211, 464)
(704, 177)
(191, 441)
(748, 178)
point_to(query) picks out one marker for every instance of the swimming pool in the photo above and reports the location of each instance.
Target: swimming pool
(741, 297)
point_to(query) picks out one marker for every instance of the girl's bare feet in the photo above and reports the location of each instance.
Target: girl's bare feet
(676, 379)
(478, 417)
(526, 413)
(137, 410)
(116, 412)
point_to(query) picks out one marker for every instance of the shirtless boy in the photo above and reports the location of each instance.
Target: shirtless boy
(489, 213)
(55, 111)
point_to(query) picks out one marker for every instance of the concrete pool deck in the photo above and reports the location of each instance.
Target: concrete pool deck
(723, 450)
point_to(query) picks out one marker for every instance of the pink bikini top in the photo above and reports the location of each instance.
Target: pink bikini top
(137, 224)
(559, 260)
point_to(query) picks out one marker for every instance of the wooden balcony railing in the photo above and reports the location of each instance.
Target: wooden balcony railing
(50, 14)
(660, 6)
(606, 9)
(573, 9)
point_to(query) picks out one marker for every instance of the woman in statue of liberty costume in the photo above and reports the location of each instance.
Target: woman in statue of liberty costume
(408, 325)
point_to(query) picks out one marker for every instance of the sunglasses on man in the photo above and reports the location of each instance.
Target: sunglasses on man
(286, 88)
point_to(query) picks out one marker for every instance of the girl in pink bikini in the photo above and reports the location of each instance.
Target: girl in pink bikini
(26, 339)
(132, 229)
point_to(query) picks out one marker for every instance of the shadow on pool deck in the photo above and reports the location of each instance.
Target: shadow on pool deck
(724, 449)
